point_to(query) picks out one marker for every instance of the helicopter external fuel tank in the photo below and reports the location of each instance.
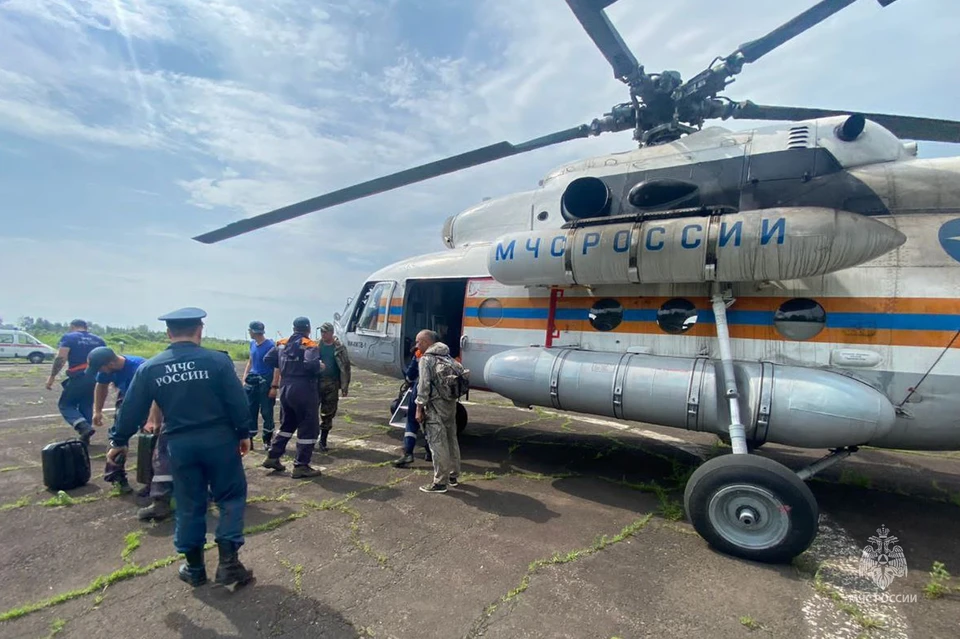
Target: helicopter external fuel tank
(768, 244)
(790, 405)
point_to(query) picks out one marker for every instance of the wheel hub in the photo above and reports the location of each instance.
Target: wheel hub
(749, 516)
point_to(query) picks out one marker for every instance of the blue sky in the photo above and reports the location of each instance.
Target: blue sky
(127, 127)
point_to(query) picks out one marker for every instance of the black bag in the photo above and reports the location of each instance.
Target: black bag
(146, 442)
(66, 465)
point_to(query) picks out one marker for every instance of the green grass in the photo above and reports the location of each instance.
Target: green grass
(137, 343)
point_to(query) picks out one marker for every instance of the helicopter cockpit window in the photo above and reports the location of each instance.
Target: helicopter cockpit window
(677, 316)
(606, 314)
(799, 319)
(374, 315)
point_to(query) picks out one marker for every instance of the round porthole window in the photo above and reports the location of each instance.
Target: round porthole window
(799, 319)
(677, 316)
(606, 314)
(490, 312)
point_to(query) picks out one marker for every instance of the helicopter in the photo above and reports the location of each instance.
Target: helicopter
(795, 283)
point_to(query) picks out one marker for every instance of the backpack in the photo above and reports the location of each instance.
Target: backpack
(451, 377)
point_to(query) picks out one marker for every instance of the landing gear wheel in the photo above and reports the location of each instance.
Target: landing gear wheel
(35, 358)
(461, 418)
(752, 507)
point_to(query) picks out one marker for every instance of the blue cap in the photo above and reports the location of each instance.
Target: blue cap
(301, 324)
(256, 327)
(98, 357)
(184, 314)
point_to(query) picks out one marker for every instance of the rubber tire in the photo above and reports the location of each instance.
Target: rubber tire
(35, 358)
(461, 418)
(725, 470)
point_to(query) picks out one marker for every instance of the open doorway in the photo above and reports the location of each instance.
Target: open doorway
(436, 305)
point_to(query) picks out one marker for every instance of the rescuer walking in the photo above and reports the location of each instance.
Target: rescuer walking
(207, 425)
(298, 365)
(334, 379)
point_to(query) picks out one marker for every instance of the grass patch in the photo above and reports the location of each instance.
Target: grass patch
(865, 622)
(131, 543)
(10, 469)
(20, 503)
(600, 543)
(749, 622)
(56, 626)
(63, 499)
(939, 583)
(297, 574)
(268, 498)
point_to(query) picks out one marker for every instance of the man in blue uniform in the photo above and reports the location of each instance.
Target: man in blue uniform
(298, 366)
(110, 368)
(258, 383)
(76, 399)
(411, 375)
(207, 425)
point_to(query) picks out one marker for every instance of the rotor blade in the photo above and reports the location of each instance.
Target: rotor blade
(595, 22)
(755, 49)
(714, 79)
(903, 126)
(395, 180)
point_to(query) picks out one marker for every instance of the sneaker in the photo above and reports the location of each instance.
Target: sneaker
(453, 481)
(303, 472)
(434, 488)
(273, 463)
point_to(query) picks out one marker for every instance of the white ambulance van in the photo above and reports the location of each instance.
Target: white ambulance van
(15, 343)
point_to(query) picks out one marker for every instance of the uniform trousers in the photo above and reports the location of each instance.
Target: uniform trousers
(329, 388)
(300, 414)
(76, 400)
(261, 404)
(204, 464)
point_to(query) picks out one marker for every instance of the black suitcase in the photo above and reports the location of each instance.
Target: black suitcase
(146, 442)
(66, 465)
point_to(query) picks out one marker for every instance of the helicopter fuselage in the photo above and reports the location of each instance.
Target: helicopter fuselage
(838, 257)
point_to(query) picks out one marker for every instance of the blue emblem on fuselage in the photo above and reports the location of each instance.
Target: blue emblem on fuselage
(950, 238)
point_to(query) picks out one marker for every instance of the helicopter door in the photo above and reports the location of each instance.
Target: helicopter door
(436, 305)
(371, 336)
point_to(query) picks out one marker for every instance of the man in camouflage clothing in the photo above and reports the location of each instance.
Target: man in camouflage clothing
(334, 379)
(437, 412)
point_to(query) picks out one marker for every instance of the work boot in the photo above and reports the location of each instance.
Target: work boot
(323, 440)
(403, 461)
(123, 486)
(273, 463)
(267, 438)
(193, 571)
(428, 456)
(230, 572)
(86, 431)
(303, 472)
(158, 510)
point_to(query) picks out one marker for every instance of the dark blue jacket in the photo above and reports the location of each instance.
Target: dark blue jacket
(195, 387)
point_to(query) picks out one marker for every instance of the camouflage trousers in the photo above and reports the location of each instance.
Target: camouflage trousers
(329, 400)
(442, 437)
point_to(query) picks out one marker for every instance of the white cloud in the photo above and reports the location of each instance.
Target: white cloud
(261, 105)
